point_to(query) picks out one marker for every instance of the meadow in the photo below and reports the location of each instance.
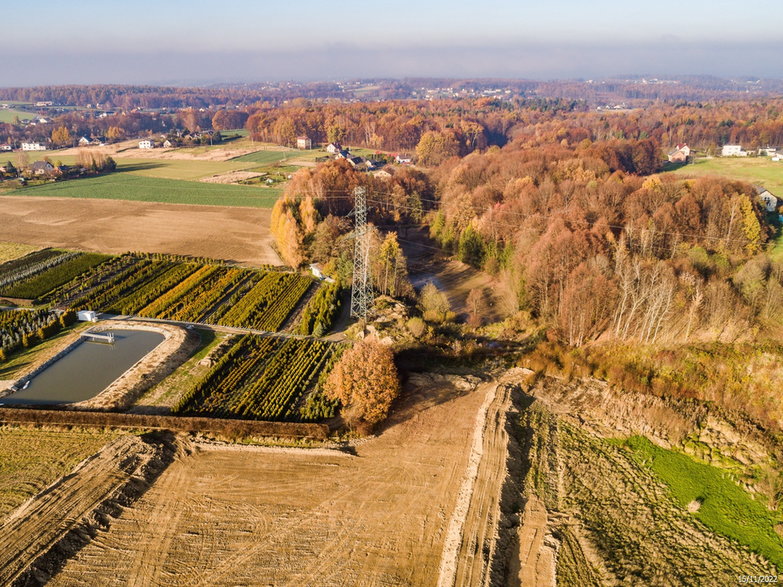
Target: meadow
(30, 460)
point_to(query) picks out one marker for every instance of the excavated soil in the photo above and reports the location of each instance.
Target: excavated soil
(377, 517)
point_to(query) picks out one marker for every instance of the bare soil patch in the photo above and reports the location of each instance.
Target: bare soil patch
(231, 177)
(117, 226)
(226, 517)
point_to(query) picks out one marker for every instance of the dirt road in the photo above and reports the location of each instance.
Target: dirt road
(229, 517)
(115, 226)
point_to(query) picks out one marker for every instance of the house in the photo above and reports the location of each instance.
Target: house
(304, 142)
(680, 154)
(33, 147)
(43, 103)
(98, 141)
(403, 159)
(733, 151)
(768, 151)
(333, 148)
(42, 168)
(84, 141)
(383, 174)
(767, 199)
(6, 148)
(167, 144)
(145, 144)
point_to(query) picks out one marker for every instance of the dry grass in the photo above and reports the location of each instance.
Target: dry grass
(11, 251)
(31, 459)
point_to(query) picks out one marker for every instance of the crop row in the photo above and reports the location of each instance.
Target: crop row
(267, 305)
(42, 282)
(260, 378)
(319, 313)
(163, 287)
(30, 264)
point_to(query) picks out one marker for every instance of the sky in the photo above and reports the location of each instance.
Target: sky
(200, 41)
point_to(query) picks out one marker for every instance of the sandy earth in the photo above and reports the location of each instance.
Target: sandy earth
(223, 517)
(64, 515)
(231, 177)
(115, 226)
(129, 149)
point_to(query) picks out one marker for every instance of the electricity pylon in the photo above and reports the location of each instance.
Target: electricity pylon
(361, 290)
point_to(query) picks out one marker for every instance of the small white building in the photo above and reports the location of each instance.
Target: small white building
(84, 141)
(5, 148)
(145, 144)
(87, 316)
(733, 151)
(333, 148)
(304, 142)
(33, 147)
(767, 199)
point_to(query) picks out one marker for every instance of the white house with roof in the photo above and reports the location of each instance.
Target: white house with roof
(767, 198)
(145, 144)
(33, 147)
(733, 151)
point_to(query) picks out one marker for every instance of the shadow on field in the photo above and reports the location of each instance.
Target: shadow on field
(122, 167)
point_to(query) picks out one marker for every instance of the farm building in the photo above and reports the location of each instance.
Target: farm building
(733, 151)
(768, 200)
(33, 147)
(333, 148)
(403, 159)
(6, 148)
(87, 316)
(304, 142)
(145, 144)
(84, 141)
(680, 154)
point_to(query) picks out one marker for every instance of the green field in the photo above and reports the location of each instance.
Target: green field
(8, 115)
(128, 186)
(756, 170)
(724, 506)
(270, 157)
(186, 169)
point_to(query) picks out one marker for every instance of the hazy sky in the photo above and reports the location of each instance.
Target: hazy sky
(83, 41)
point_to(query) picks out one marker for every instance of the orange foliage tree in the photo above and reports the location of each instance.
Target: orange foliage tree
(365, 381)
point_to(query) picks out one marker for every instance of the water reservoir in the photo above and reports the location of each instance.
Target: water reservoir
(87, 370)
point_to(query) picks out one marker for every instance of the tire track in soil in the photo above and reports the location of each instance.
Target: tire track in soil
(62, 518)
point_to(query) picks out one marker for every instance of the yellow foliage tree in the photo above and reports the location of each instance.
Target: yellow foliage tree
(61, 136)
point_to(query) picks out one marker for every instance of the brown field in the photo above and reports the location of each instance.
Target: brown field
(114, 226)
(249, 515)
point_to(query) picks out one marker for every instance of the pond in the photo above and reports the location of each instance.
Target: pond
(87, 370)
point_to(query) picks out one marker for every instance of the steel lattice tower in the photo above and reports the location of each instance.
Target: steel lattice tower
(361, 290)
